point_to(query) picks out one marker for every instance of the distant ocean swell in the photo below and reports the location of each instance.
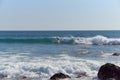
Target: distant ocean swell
(96, 40)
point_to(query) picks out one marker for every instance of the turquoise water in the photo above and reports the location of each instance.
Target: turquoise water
(40, 54)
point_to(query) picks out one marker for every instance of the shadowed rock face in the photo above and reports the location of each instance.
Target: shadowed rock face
(110, 79)
(59, 76)
(109, 72)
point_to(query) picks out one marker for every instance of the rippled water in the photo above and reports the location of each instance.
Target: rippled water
(41, 60)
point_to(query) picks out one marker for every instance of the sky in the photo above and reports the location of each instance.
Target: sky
(59, 14)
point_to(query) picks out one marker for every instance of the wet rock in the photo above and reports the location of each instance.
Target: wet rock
(110, 79)
(59, 76)
(24, 77)
(2, 76)
(81, 75)
(116, 54)
(109, 72)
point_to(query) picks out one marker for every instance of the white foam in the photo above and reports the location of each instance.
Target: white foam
(45, 67)
(18, 65)
(97, 40)
(82, 51)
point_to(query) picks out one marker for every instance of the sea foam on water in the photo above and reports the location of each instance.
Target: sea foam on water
(45, 67)
(97, 40)
(39, 55)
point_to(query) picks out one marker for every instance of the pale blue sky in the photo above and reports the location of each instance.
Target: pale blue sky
(59, 14)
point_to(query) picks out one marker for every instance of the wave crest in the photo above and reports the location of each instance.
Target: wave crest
(96, 40)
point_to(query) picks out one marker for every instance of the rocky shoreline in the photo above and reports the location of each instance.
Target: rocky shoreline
(107, 71)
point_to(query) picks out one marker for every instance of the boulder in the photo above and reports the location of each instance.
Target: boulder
(109, 71)
(2, 76)
(111, 79)
(59, 76)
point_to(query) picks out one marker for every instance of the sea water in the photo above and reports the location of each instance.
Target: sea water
(40, 54)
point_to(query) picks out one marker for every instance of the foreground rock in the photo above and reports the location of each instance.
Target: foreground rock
(2, 76)
(59, 76)
(109, 72)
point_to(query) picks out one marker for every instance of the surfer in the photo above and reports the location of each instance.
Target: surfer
(58, 40)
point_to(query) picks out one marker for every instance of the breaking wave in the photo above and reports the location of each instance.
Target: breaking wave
(96, 40)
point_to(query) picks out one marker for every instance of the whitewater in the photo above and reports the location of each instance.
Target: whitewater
(39, 55)
(17, 65)
(96, 40)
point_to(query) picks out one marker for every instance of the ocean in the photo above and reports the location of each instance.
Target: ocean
(40, 54)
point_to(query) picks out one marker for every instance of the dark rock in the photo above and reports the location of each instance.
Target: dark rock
(24, 77)
(2, 76)
(116, 54)
(59, 76)
(109, 72)
(111, 79)
(81, 75)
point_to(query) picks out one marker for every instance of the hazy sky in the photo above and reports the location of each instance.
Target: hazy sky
(59, 14)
